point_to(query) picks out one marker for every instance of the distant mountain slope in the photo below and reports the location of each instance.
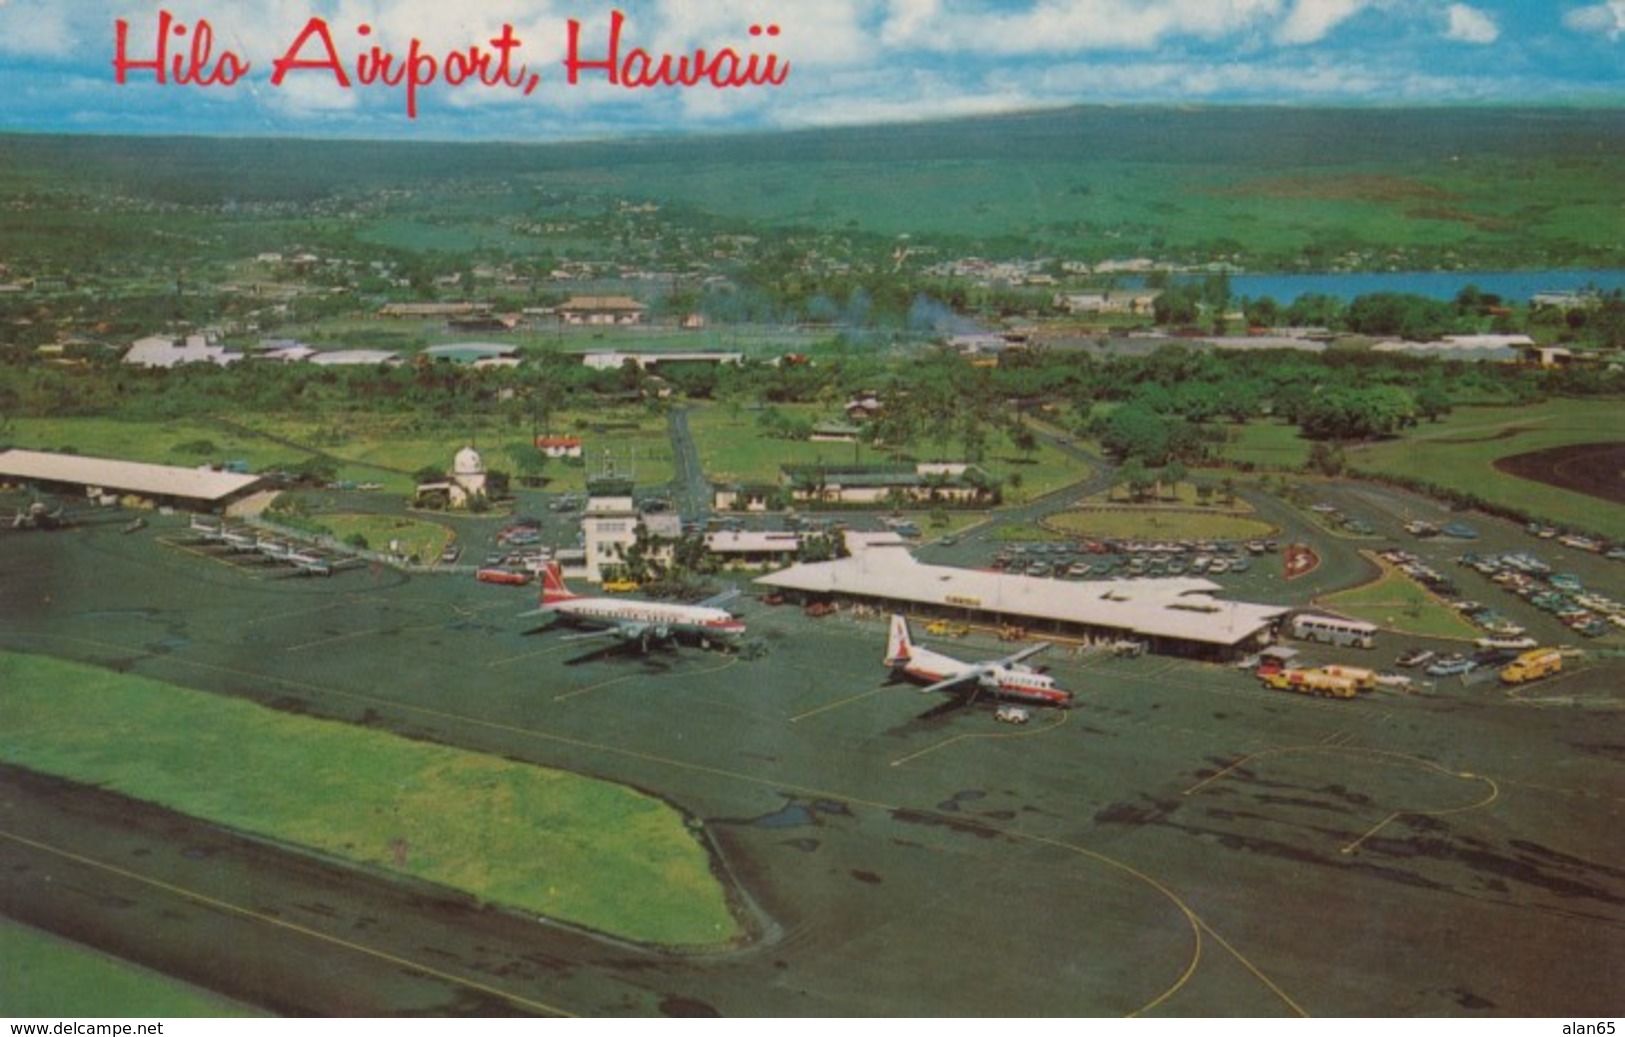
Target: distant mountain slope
(1275, 188)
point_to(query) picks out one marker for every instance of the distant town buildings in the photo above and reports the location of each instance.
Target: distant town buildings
(163, 352)
(618, 310)
(614, 359)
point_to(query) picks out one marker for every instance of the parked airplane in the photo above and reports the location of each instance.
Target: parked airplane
(307, 564)
(1007, 677)
(40, 516)
(271, 547)
(637, 621)
(239, 541)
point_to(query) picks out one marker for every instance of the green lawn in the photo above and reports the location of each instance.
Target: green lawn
(541, 841)
(386, 449)
(732, 449)
(152, 442)
(417, 538)
(1270, 445)
(49, 977)
(1459, 452)
(1397, 603)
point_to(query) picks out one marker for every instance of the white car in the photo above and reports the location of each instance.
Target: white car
(1012, 715)
(1506, 642)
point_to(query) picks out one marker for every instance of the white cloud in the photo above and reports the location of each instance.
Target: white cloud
(809, 32)
(1071, 26)
(1606, 19)
(1470, 25)
(1311, 20)
(43, 30)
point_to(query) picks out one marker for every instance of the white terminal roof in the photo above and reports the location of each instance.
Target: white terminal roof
(123, 476)
(1184, 609)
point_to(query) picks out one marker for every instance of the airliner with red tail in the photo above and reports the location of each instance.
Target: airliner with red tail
(632, 620)
(1008, 677)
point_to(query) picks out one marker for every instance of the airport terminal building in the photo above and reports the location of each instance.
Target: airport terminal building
(1173, 616)
(193, 489)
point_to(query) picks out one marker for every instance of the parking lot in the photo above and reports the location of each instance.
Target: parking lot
(1182, 841)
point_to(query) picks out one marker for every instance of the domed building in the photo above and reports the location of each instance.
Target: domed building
(467, 482)
(467, 477)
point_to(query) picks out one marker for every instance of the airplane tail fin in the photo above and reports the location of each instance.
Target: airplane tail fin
(899, 646)
(553, 588)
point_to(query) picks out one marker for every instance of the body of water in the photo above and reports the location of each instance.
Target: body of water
(1513, 286)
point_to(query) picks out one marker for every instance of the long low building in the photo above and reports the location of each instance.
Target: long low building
(162, 484)
(1177, 616)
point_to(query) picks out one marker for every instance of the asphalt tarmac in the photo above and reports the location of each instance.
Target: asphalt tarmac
(1180, 843)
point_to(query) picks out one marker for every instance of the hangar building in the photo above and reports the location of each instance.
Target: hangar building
(191, 488)
(1174, 616)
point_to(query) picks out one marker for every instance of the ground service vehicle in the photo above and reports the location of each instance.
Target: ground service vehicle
(1311, 682)
(1533, 665)
(943, 628)
(1333, 630)
(1364, 679)
(507, 576)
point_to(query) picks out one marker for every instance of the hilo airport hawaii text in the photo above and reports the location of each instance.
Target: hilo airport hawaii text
(184, 54)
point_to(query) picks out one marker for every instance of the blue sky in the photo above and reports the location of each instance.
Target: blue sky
(851, 61)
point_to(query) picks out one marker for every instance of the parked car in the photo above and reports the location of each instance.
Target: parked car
(1451, 666)
(1414, 657)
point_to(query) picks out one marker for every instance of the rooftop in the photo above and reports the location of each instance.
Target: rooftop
(1184, 609)
(126, 476)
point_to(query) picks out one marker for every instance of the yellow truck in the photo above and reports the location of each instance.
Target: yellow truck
(1532, 665)
(1312, 682)
(1364, 679)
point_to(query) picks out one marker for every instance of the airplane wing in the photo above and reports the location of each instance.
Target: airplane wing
(1025, 653)
(718, 600)
(596, 634)
(628, 631)
(971, 673)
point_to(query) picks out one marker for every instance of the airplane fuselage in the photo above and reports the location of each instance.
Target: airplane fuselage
(694, 620)
(1015, 682)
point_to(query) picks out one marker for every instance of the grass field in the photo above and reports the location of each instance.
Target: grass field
(386, 449)
(542, 841)
(1397, 603)
(48, 977)
(1459, 452)
(416, 538)
(169, 442)
(732, 449)
(1269, 445)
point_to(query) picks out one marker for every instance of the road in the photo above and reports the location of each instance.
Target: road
(691, 491)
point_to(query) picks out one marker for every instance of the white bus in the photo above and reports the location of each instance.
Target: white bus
(1346, 633)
